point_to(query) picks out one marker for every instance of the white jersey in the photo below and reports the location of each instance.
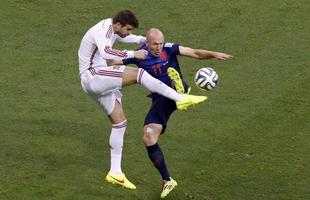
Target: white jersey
(96, 46)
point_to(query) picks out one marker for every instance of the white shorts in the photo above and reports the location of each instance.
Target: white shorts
(103, 85)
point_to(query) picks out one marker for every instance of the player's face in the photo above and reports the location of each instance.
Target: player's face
(155, 46)
(124, 31)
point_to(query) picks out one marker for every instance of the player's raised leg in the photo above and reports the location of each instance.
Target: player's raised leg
(183, 101)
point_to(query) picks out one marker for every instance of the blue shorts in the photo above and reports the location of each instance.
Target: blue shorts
(160, 111)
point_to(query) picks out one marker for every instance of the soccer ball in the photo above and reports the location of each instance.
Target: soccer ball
(206, 78)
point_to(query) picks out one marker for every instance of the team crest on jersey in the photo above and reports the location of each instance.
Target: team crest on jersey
(169, 45)
(163, 55)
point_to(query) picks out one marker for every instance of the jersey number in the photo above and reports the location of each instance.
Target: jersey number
(157, 69)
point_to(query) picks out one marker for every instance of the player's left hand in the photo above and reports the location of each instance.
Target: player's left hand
(222, 56)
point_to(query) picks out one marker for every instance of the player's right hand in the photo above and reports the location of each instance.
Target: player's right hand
(140, 54)
(222, 56)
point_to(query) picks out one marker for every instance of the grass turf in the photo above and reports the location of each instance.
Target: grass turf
(250, 141)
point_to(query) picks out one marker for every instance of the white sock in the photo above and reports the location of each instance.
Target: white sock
(155, 85)
(116, 146)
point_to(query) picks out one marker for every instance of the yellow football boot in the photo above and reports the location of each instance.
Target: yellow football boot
(176, 79)
(168, 187)
(120, 180)
(190, 100)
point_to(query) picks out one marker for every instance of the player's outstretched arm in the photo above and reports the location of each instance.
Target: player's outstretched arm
(203, 54)
(137, 39)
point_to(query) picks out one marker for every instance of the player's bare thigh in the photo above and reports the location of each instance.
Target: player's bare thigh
(117, 115)
(130, 76)
(151, 133)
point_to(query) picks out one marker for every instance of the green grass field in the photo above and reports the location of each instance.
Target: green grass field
(249, 141)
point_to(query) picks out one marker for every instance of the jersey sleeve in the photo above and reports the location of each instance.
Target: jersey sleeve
(103, 37)
(172, 48)
(138, 39)
(128, 61)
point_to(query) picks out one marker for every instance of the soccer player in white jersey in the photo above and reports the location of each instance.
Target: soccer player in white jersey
(102, 82)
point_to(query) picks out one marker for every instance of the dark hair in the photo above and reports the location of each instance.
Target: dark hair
(125, 17)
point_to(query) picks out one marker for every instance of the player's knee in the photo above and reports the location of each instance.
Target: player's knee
(149, 136)
(117, 116)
